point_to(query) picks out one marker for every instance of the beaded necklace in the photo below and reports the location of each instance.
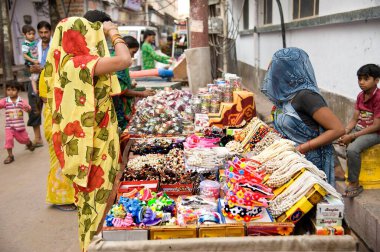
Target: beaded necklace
(296, 191)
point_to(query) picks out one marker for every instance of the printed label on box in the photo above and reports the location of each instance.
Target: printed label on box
(328, 222)
(330, 208)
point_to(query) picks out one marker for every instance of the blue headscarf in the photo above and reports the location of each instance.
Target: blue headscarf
(289, 72)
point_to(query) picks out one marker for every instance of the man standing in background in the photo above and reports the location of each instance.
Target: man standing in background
(44, 32)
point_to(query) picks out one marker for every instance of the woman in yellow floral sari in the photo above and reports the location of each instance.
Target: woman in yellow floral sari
(59, 189)
(80, 82)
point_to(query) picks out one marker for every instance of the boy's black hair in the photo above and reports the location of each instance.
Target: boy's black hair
(131, 42)
(14, 85)
(27, 28)
(369, 70)
(148, 33)
(96, 15)
(44, 24)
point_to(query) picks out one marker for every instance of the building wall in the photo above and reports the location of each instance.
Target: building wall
(16, 14)
(336, 52)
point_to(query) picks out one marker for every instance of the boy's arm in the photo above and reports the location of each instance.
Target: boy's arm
(352, 123)
(370, 129)
(26, 56)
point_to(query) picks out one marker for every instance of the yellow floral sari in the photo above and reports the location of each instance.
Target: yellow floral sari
(84, 124)
(59, 189)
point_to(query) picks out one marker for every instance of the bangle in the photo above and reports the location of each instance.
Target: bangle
(354, 135)
(118, 41)
(115, 37)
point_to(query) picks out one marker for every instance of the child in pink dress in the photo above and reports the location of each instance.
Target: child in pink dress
(14, 106)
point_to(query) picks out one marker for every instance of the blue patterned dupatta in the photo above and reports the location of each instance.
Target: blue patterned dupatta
(290, 72)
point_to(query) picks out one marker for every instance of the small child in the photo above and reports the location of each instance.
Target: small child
(14, 120)
(30, 53)
(364, 125)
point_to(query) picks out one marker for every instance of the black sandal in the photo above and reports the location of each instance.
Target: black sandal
(9, 160)
(352, 192)
(30, 146)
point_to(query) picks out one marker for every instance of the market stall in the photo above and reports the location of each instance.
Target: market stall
(200, 166)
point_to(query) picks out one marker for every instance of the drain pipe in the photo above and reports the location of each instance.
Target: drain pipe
(282, 23)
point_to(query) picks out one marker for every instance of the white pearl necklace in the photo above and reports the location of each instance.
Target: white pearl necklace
(296, 191)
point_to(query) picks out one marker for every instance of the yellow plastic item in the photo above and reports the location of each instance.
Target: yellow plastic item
(172, 232)
(220, 230)
(304, 205)
(369, 176)
(282, 188)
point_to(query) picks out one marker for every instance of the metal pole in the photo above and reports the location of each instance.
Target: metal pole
(7, 44)
(282, 24)
(223, 8)
(146, 13)
(199, 23)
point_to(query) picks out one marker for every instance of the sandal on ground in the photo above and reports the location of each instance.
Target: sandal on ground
(66, 207)
(37, 144)
(9, 160)
(340, 178)
(30, 146)
(352, 192)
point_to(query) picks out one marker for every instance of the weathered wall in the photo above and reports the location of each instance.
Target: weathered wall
(252, 78)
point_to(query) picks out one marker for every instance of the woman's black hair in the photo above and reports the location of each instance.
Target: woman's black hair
(131, 42)
(148, 33)
(44, 24)
(369, 70)
(96, 15)
(27, 28)
(13, 84)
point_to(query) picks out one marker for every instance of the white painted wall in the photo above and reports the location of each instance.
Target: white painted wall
(336, 51)
(327, 7)
(19, 9)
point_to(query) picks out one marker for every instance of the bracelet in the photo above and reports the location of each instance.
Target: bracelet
(354, 135)
(115, 37)
(119, 41)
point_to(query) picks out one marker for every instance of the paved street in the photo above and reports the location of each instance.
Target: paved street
(28, 223)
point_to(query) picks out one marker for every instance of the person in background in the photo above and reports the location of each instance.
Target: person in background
(149, 56)
(30, 54)
(36, 103)
(79, 74)
(363, 130)
(14, 106)
(300, 113)
(124, 102)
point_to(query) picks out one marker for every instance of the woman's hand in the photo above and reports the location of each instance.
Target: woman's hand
(346, 139)
(148, 92)
(108, 26)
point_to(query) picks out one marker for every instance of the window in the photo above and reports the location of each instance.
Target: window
(246, 15)
(268, 9)
(305, 8)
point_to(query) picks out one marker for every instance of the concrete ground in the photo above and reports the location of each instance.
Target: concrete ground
(27, 222)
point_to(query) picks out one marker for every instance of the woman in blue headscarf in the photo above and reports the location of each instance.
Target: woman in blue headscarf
(300, 113)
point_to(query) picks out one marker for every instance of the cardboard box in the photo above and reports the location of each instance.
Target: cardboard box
(125, 235)
(328, 222)
(178, 189)
(172, 232)
(330, 208)
(222, 230)
(304, 205)
(268, 229)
